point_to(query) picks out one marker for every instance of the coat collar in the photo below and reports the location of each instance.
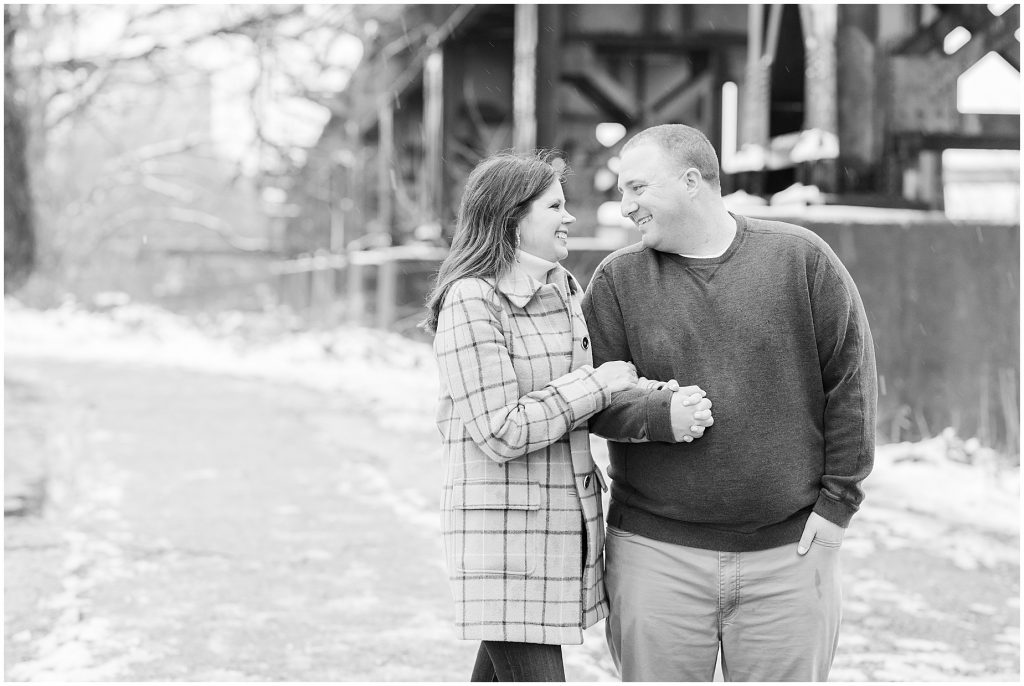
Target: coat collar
(519, 287)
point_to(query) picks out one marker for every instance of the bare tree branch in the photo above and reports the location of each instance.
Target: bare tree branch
(100, 82)
(160, 149)
(188, 216)
(67, 81)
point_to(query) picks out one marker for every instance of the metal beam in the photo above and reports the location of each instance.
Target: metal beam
(617, 43)
(1012, 56)
(585, 72)
(945, 141)
(998, 34)
(684, 100)
(681, 84)
(929, 38)
(461, 16)
(975, 18)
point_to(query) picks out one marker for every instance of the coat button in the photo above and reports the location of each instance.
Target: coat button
(586, 342)
(586, 481)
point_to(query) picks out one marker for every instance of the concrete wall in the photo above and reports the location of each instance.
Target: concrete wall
(943, 302)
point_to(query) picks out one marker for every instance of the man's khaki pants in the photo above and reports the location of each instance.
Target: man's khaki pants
(774, 614)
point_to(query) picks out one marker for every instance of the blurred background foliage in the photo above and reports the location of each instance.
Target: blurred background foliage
(182, 126)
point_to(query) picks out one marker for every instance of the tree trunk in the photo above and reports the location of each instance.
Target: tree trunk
(19, 228)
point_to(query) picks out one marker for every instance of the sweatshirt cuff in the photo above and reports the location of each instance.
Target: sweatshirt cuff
(835, 511)
(659, 416)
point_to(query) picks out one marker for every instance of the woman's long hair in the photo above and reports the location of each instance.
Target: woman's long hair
(497, 196)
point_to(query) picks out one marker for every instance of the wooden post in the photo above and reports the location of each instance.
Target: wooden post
(524, 79)
(321, 295)
(337, 191)
(930, 175)
(713, 100)
(549, 74)
(754, 96)
(387, 288)
(820, 24)
(385, 167)
(859, 113)
(356, 301)
(433, 133)
(449, 184)
(355, 184)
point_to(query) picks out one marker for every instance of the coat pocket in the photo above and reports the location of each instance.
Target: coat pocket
(495, 526)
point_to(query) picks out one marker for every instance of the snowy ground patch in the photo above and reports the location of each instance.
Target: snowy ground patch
(916, 492)
(393, 374)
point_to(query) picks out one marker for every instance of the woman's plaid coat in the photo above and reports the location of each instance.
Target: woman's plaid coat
(521, 487)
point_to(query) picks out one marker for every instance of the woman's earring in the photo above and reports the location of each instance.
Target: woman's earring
(518, 239)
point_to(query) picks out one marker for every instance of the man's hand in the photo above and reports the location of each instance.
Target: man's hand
(818, 527)
(690, 413)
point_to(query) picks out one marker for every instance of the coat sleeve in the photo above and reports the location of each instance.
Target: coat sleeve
(633, 416)
(846, 354)
(477, 371)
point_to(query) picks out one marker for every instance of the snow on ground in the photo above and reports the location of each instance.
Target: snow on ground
(980, 495)
(918, 494)
(916, 489)
(396, 376)
(920, 491)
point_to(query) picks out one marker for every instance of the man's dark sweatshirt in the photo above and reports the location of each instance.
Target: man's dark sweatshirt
(774, 330)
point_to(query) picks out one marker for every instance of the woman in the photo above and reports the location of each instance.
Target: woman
(522, 514)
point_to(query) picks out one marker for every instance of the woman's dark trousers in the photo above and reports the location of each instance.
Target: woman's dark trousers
(506, 661)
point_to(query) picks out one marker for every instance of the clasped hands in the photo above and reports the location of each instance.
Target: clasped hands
(690, 410)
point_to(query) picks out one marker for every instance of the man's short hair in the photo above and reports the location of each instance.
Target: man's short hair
(685, 146)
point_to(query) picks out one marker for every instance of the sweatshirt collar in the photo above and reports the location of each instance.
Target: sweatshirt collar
(741, 229)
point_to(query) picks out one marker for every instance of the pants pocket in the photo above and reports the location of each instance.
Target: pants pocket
(835, 545)
(618, 533)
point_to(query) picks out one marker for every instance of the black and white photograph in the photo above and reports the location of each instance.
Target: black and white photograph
(512, 342)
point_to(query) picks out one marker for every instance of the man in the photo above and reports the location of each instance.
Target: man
(728, 543)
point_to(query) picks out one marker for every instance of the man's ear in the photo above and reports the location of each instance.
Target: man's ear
(692, 179)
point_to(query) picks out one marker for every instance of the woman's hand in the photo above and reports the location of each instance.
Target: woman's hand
(617, 375)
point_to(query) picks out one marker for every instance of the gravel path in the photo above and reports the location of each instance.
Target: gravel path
(200, 527)
(216, 529)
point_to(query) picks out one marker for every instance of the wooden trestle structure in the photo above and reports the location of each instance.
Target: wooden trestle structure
(848, 97)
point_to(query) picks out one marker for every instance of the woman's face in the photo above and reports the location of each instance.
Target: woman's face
(544, 231)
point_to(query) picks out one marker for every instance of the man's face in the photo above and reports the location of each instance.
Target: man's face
(654, 196)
